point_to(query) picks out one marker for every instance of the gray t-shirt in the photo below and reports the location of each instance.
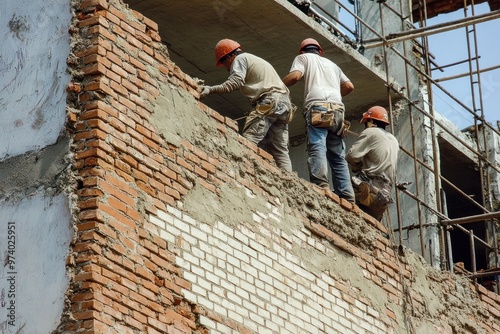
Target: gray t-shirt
(377, 150)
(322, 79)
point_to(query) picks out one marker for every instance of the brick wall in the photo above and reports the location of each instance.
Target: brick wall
(186, 227)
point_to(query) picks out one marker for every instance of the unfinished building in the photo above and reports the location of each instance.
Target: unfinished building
(130, 206)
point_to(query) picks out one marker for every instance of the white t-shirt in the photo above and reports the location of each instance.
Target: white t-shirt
(322, 79)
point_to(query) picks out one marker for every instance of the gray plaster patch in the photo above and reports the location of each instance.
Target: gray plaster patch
(177, 115)
(231, 205)
(23, 174)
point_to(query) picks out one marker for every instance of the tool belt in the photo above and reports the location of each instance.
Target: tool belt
(376, 197)
(275, 105)
(326, 115)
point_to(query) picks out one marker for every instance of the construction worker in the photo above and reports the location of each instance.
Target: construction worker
(373, 158)
(325, 84)
(267, 122)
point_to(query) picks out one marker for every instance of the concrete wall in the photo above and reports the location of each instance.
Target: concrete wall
(35, 215)
(186, 227)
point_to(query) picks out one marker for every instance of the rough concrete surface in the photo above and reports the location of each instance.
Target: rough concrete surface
(22, 175)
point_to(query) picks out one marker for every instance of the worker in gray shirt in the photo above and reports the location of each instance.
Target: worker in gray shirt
(373, 159)
(267, 122)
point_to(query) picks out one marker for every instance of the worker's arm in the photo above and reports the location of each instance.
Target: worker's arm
(292, 78)
(346, 88)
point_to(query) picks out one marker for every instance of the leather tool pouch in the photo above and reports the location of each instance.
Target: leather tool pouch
(321, 117)
(265, 107)
(369, 195)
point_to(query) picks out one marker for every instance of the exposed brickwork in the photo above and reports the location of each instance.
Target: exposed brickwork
(143, 263)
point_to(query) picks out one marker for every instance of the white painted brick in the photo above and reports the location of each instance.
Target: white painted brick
(233, 261)
(281, 287)
(339, 328)
(339, 310)
(308, 309)
(344, 322)
(166, 217)
(212, 278)
(199, 291)
(197, 271)
(295, 260)
(257, 319)
(332, 316)
(174, 211)
(234, 298)
(243, 235)
(248, 287)
(191, 259)
(224, 228)
(278, 320)
(268, 280)
(302, 272)
(222, 310)
(219, 254)
(373, 312)
(257, 247)
(183, 263)
(263, 294)
(242, 293)
(250, 270)
(207, 322)
(219, 273)
(360, 305)
(233, 279)
(226, 248)
(190, 296)
(218, 290)
(265, 260)
(206, 228)
(249, 251)
(198, 253)
(189, 220)
(235, 316)
(296, 304)
(297, 322)
(203, 301)
(204, 284)
(279, 303)
(156, 221)
(292, 328)
(343, 304)
(190, 277)
(220, 235)
(167, 236)
(235, 244)
(241, 256)
(240, 273)
(272, 327)
(257, 301)
(249, 306)
(222, 329)
(250, 324)
(199, 234)
(215, 298)
(182, 226)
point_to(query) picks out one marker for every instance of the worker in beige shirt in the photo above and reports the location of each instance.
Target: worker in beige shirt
(267, 123)
(373, 159)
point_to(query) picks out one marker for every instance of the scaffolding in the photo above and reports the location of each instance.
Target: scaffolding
(418, 37)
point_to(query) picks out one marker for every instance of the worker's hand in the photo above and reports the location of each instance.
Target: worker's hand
(205, 90)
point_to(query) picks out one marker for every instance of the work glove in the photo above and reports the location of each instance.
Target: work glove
(205, 90)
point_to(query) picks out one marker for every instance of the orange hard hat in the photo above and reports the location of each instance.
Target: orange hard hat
(310, 41)
(223, 48)
(378, 113)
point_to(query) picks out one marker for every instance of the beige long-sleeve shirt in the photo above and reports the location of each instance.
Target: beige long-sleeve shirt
(253, 76)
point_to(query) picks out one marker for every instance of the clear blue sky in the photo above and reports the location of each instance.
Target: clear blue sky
(450, 47)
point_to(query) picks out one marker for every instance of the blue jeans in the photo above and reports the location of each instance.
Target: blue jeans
(325, 147)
